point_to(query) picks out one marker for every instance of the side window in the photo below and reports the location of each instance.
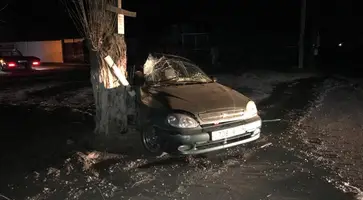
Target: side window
(5, 53)
(16, 53)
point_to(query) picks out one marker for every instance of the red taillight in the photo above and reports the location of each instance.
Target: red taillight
(36, 63)
(11, 64)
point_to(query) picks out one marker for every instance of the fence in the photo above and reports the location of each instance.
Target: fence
(54, 51)
(74, 51)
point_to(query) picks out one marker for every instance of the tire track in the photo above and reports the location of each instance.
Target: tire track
(59, 90)
(31, 79)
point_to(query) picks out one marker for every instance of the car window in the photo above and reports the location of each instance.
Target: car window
(10, 53)
(5, 53)
(176, 71)
(194, 73)
(16, 53)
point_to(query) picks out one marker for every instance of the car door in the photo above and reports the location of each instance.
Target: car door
(141, 98)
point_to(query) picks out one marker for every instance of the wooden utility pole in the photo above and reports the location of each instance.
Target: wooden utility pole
(121, 13)
(302, 34)
(120, 20)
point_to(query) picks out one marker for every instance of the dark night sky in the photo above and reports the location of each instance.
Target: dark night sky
(47, 18)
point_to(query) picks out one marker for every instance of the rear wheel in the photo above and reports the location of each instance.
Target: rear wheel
(28, 68)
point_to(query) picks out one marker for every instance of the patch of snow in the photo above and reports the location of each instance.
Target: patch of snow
(331, 133)
(261, 82)
(346, 187)
(141, 178)
(349, 79)
(78, 177)
(327, 87)
(18, 95)
(49, 68)
(2, 72)
(134, 164)
(77, 99)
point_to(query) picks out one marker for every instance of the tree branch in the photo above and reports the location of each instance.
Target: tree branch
(4, 7)
(92, 20)
(2, 196)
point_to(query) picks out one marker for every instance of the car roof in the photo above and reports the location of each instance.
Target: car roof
(3, 49)
(170, 56)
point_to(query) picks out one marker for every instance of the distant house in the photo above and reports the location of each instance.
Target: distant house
(191, 40)
(188, 36)
(49, 47)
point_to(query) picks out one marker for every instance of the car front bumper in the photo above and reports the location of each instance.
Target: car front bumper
(200, 141)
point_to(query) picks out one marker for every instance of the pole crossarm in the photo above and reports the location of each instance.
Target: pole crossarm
(120, 11)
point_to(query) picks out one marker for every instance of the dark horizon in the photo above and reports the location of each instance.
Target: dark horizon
(248, 17)
(48, 19)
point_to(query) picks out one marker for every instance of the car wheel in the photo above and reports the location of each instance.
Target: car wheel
(151, 141)
(29, 68)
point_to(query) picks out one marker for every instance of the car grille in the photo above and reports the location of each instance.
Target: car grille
(221, 116)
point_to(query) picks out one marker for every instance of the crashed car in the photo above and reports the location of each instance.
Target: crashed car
(183, 111)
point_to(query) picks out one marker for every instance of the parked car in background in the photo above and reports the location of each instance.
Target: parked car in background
(183, 111)
(13, 59)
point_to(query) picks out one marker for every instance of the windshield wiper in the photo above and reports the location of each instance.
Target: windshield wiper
(192, 82)
(168, 80)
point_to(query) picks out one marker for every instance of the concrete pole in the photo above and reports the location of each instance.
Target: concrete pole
(302, 34)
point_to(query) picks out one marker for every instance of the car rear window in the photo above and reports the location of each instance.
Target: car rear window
(9, 53)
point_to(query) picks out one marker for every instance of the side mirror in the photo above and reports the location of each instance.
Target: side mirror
(214, 79)
(139, 78)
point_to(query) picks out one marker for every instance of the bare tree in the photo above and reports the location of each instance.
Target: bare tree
(97, 26)
(1, 9)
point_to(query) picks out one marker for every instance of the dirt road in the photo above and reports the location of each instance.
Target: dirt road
(43, 157)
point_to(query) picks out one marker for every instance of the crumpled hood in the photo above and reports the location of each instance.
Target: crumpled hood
(199, 98)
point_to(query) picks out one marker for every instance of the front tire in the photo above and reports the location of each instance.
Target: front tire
(151, 141)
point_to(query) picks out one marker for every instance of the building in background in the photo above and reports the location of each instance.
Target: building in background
(74, 51)
(52, 51)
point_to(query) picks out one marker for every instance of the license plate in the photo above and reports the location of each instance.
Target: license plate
(227, 133)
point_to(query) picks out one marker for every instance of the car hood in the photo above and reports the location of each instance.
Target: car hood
(198, 98)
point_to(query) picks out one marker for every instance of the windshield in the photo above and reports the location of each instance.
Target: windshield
(174, 71)
(10, 53)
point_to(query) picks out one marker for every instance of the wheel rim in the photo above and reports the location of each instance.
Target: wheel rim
(151, 140)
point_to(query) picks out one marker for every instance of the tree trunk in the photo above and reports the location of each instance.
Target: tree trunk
(110, 95)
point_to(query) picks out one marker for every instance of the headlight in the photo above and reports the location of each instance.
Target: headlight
(182, 121)
(251, 110)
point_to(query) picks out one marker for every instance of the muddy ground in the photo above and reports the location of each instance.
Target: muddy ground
(43, 156)
(331, 132)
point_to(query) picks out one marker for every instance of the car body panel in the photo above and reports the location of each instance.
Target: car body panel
(198, 100)
(200, 139)
(15, 56)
